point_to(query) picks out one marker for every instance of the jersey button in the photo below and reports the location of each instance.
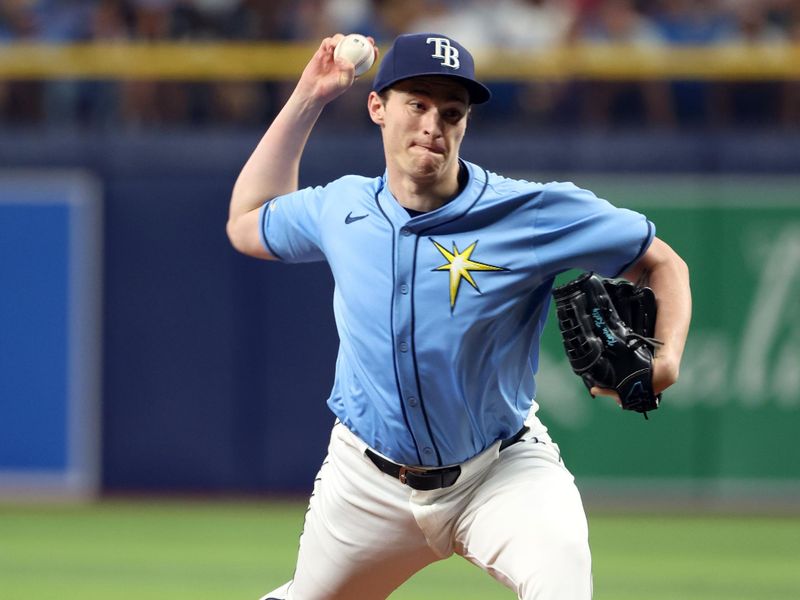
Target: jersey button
(404, 289)
(403, 347)
(412, 401)
(427, 450)
(405, 231)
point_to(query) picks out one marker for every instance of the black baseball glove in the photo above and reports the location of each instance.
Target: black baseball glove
(607, 326)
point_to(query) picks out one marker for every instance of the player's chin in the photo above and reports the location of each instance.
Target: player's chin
(428, 165)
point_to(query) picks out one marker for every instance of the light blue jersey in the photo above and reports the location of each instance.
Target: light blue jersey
(439, 316)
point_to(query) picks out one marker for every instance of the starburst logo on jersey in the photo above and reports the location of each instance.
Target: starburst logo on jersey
(459, 265)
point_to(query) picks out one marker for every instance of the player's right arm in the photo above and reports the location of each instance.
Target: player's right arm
(273, 167)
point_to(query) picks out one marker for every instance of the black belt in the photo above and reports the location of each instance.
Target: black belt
(429, 479)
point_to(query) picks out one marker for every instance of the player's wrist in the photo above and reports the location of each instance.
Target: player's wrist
(666, 370)
(305, 104)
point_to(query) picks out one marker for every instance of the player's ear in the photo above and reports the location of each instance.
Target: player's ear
(376, 105)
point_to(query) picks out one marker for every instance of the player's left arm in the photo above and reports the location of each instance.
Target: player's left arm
(665, 272)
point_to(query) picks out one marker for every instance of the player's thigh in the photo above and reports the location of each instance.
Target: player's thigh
(526, 526)
(360, 539)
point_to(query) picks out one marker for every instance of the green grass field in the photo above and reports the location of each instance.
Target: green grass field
(202, 551)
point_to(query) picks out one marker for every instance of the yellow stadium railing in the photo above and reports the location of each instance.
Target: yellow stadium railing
(284, 62)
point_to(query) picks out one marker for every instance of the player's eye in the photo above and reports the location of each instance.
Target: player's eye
(453, 115)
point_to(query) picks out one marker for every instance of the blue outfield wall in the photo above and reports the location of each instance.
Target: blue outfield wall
(216, 366)
(50, 290)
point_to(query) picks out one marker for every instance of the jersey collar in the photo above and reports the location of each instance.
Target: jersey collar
(453, 210)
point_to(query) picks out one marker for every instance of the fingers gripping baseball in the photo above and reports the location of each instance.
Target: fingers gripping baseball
(327, 76)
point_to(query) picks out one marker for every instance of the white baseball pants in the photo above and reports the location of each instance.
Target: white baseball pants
(517, 515)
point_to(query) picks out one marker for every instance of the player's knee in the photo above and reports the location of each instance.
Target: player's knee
(570, 546)
(565, 574)
(579, 558)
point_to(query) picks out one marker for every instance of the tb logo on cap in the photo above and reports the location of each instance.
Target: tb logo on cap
(444, 51)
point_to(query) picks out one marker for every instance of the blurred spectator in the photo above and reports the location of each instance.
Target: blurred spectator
(209, 20)
(531, 26)
(750, 102)
(151, 102)
(152, 19)
(528, 25)
(313, 20)
(17, 20)
(63, 20)
(753, 23)
(70, 102)
(694, 23)
(20, 102)
(111, 20)
(624, 102)
(787, 14)
(393, 17)
(467, 24)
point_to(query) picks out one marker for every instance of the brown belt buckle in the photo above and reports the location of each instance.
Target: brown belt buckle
(402, 475)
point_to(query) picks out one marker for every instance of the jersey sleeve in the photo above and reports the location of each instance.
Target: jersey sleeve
(574, 229)
(290, 225)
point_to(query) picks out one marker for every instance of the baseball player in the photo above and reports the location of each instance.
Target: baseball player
(443, 274)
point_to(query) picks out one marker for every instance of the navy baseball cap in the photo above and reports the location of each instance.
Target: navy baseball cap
(417, 54)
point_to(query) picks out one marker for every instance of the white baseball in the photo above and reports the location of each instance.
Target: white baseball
(358, 50)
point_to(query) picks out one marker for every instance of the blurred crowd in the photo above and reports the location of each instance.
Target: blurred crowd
(521, 25)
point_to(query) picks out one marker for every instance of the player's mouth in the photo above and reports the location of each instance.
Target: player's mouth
(429, 148)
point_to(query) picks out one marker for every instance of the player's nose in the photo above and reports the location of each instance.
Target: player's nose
(432, 123)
